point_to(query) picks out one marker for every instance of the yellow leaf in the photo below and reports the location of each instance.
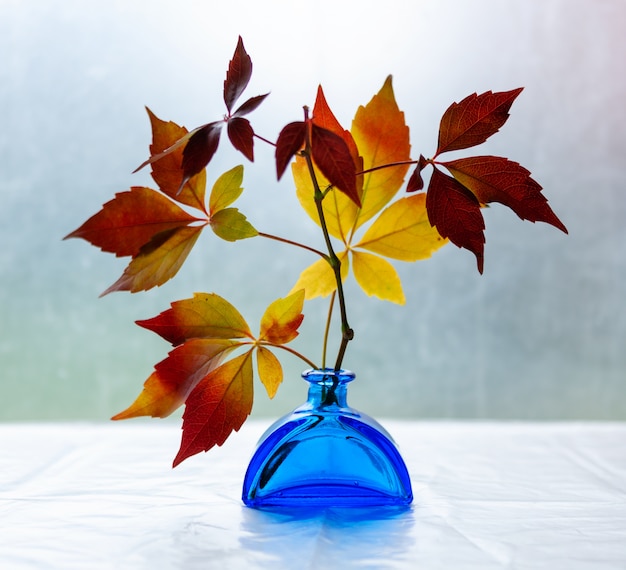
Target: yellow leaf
(280, 322)
(270, 370)
(382, 137)
(318, 280)
(158, 261)
(377, 277)
(402, 231)
(339, 210)
(226, 190)
(231, 225)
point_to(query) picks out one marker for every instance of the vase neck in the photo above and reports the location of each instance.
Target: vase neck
(328, 387)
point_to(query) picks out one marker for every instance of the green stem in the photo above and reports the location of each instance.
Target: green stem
(327, 329)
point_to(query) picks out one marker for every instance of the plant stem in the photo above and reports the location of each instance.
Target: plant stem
(294, 243)
(347, 334)
(389, 165)
(264, 140)
(295, 353)
(327, 329)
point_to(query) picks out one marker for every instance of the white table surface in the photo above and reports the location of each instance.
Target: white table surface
(487, 496)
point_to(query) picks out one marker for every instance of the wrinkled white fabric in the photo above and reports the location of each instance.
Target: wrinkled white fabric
(487, 496)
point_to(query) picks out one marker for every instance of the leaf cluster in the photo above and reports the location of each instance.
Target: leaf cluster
(349, 181)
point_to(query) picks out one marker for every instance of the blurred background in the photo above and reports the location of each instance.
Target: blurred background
(539, 336)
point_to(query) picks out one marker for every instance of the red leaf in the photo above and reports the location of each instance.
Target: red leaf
(290, 140)
(474, 119)
(496, 179)
(217, 406)
(455, 212)
(238, 75)
(131, 220)
(416, 182)
(241, 136)
(249, 105)
(332, 156)
(200, 150)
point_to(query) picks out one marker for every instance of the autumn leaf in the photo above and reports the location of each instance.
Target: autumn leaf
(474, 119)
(270, 370)
(402, 231)
(318, 280)
(231, 225)
(157, 261)
(167, 172)
(496, 179)
(205, 315)
(200, 149)
(280, 322)
(238, 75)
(382, 137)
(218, 405)
(290, 140)
(173, 378)
(455, 212)
(227, 188)
(416, 182)
(377, 277)
(332, 156)
(249, 105)
(128, 222)
(241, 136)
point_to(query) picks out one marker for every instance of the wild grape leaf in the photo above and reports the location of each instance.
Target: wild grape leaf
(175, 377)
(249, 105)
(227, 188)
(270, 370)
(241, 136)
(231, 225)
(205, 315)
(200, 149)
(318, 280)
(455, 212)
(218, 405)
(280, 322)
(129, 221)
(402, 231)
(167, 172)
(332, 156)
(238, 75)
(416, 182)
(474, 119)
(290, 140)
(157, 261)
(496, 179)
(377, 277)
(382, 137)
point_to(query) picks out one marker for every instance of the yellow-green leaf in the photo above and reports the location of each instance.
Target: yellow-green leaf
(382, 137)
(402, 231)
(231, 225)
(226, 190)
(377, 277)
(318, 280)
(270, 370)
(158, 261)
(280, 322)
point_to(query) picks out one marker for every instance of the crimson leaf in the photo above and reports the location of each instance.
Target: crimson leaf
(290, 140)
(241, 134)
(238, 75)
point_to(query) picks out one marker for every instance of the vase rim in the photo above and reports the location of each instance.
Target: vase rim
(324, 375)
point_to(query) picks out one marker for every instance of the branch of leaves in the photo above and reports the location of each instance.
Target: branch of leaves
(151, 228)
(202, 372)
(454, 202)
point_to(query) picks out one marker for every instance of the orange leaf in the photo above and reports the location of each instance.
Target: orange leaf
(496, 179)
(176, 376)
(131, 220)
(158, 261)
(270, 370)
(382, 137)
(168, 171)
(280, 322)
(205, 315)
(474, 119)
(218, 405)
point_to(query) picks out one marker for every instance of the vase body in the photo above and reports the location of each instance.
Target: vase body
(326, 454)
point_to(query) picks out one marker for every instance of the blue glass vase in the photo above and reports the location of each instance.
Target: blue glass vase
(326, 454)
